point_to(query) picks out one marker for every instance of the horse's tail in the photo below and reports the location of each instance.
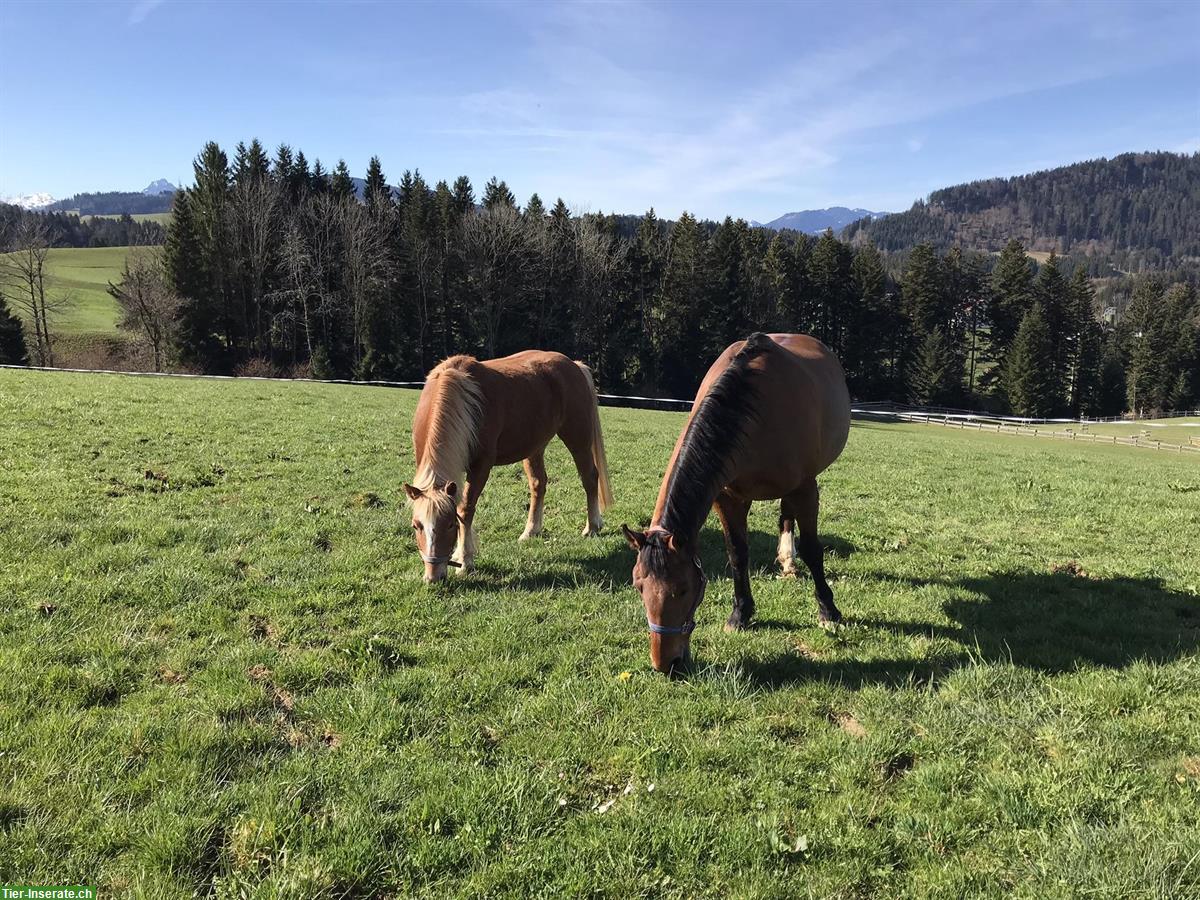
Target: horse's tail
(599, 459)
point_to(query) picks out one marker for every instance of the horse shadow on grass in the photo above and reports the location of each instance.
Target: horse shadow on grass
(1047, 622)
(612, 571)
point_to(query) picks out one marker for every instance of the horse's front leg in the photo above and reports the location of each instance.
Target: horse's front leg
(535, 471)
(468, 543)
(733, 512)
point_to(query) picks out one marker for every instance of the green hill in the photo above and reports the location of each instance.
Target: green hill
(1136, 211)
(80, 276)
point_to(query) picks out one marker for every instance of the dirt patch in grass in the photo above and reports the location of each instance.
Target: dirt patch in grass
(849, 724)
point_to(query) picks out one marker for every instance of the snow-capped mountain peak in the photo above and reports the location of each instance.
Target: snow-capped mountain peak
(30, 201)
(161, 186)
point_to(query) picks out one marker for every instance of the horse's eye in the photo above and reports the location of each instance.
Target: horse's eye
(417, 526)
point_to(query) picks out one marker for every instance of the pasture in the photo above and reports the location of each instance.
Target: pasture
(220, 671)
(1177, 430)
(80, 276)
(162, 218)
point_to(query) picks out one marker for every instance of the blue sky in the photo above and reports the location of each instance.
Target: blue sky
(719, 108)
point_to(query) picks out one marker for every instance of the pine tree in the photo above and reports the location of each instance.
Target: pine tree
(865, 355)
(285, 164)
(209, 309)
(1110, 389)
(318, 183)
(250, 163)
(923, 293)
(1147, 337)
(1028, 377)
(1012, 296)
(724, 313)
(1054, 294)
(937, 372)
(341, 184)
(677, 326)
(464, 195)
(1084, 349)
(645, 262)
(376, 193)
(185, 263)
(496, 193)
(1183, 316)
(12, 338)
(829, 285)
(535, 210)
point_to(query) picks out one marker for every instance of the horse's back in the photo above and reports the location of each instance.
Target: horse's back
(530, 396)
(803, 414)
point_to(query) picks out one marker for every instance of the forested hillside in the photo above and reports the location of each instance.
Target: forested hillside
(108, 203)
(69, 230)
(280, 267)
(1135, 212)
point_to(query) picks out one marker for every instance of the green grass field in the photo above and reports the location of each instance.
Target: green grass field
(1174, 431)
(82, 275)
(221, 674)
(162, 218)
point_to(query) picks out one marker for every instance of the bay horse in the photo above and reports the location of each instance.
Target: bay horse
(474, 415)
(772, 413)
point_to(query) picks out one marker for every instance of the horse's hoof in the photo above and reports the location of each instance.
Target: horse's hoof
(463, 569)
(528, 534)
(736, 623)
(788, 572)
(589, 531)
(829, 623)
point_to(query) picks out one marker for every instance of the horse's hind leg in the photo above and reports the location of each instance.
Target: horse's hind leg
(535, 471)
(805, 503)
(787, 538)
(732, 513)
(581, 452)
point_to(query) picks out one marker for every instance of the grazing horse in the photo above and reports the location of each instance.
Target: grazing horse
(771, 414)
(474, 415)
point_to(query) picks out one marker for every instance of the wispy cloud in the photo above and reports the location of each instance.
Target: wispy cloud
(142, 9)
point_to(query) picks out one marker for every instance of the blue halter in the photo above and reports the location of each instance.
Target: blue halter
(690, 625)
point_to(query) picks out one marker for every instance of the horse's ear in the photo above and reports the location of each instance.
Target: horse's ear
(413, 493)
(672, 544)
(452, 489)
(636, 539)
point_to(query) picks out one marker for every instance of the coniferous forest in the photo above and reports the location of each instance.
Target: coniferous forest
(280, 266)
(1136, 212)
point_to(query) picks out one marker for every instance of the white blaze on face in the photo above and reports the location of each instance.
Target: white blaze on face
(430, 535)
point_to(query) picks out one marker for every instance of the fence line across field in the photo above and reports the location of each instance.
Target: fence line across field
(887, 410)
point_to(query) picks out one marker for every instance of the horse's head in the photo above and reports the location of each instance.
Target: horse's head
(435, 526)
(668, 576)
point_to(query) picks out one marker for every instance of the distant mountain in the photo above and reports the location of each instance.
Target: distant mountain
(161, 186)
(814, 221)
(30, 201)
(1134, 212)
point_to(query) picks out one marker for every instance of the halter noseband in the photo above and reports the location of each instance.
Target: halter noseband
(441, 561)
(690, 624)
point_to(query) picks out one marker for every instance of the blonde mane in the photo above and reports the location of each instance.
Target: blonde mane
(452, 428)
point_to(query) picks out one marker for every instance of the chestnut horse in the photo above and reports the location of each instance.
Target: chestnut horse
(474, 415)
(771, 414)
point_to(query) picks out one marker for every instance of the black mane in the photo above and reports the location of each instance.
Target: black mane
(715, 431)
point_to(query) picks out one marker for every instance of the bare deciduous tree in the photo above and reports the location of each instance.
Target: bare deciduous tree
(148, 304)
(23, 271)
(255, 219)
(497, 247)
